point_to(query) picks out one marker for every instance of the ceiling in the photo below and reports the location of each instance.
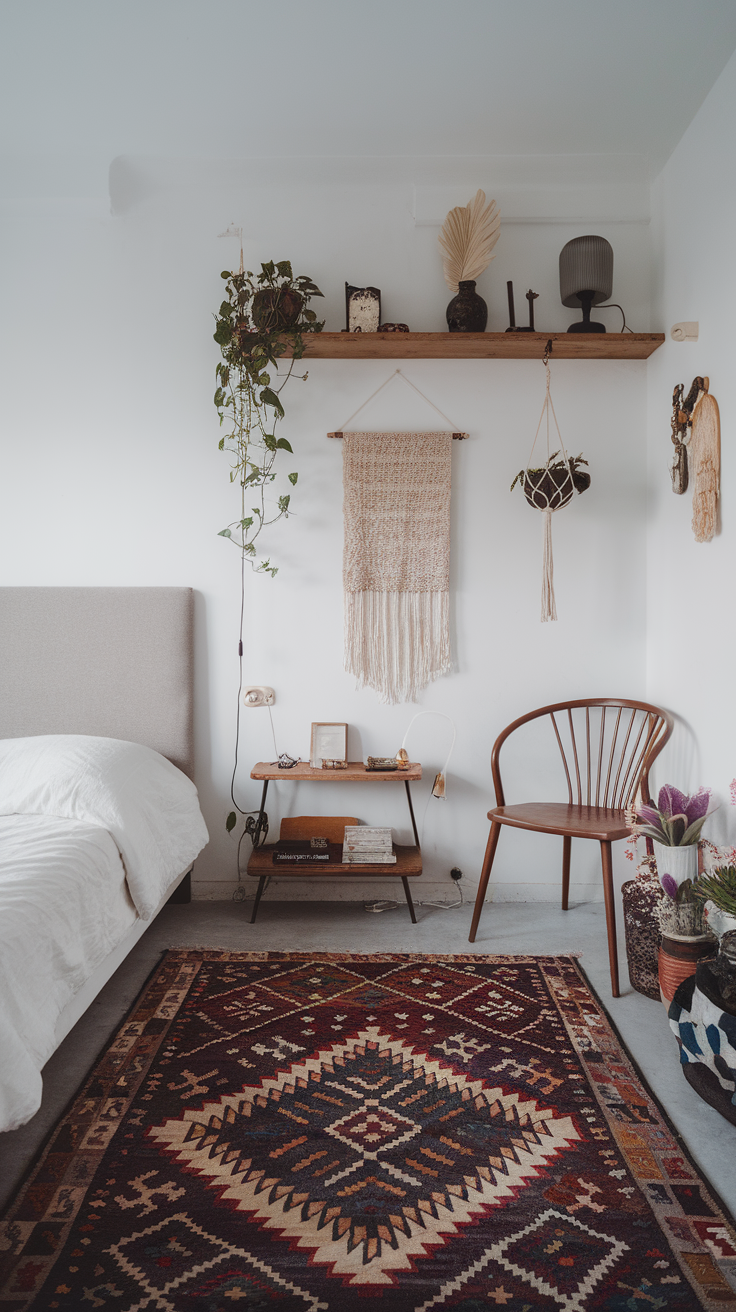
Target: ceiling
(93, 79)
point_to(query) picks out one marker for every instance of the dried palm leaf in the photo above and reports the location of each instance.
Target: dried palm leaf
(468, 236)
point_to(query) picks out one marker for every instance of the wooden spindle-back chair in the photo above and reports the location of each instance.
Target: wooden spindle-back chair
(607, 748)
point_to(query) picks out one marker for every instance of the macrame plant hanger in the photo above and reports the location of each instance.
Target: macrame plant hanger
(548, 495)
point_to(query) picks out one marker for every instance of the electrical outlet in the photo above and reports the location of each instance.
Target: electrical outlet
(258, 694)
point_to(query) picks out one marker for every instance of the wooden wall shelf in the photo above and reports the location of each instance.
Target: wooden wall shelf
(480, 346)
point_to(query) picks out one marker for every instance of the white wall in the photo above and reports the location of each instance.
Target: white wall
(111, 475)
(689, 585)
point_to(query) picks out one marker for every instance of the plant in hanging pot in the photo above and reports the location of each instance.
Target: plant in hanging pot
(260, 319)
(675, 825)
(551, 486)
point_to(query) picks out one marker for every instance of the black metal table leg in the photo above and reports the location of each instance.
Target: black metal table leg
(407, 890)
(261, 886)
(411, 812)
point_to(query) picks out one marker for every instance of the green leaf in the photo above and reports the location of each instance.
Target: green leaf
(221, 446)
(249, 549)
(225, 274)
(225, 310)
(231, 822)
(283, 445)
(224, 533)
(246, 523)
(268, 397)
(310, 316)
(270, 442)
(284, 503)
(284, 268)
(219, 397)
(293, 478)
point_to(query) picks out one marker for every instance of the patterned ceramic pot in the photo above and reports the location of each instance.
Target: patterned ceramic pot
(678, 959)
(641, 897)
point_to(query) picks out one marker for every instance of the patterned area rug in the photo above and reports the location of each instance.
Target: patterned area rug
(310, 1132)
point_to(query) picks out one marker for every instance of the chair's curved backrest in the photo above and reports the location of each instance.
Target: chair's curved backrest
(607, 747)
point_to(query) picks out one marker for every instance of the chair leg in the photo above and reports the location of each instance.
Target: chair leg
(566, 850)
(491, 846)
(607, 864)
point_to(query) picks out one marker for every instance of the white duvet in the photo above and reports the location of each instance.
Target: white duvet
(92, 833)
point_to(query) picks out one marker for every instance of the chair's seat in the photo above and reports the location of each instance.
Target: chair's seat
(558, 818)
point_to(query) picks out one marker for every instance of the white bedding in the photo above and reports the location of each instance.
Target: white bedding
(93, 831)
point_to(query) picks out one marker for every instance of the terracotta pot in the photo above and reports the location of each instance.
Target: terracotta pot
(678, 959)
(276, 307)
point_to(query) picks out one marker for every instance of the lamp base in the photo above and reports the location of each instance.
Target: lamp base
(580, 326)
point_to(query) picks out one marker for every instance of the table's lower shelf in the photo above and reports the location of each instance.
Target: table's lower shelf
(408, 864)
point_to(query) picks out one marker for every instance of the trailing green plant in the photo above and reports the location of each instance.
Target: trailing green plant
(718, 887)
(261, 318)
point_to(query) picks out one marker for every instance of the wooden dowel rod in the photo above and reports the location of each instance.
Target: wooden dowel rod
(456, 437)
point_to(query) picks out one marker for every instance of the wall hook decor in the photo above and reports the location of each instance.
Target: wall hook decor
(682, 418)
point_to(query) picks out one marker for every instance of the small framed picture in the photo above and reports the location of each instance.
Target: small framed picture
(329, 742)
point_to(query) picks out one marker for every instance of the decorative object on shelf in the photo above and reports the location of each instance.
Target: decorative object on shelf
(331, 764)
(531, 297)
(394, 328)
(467, 239)
(586, 278)
(705, 465)
(439, 787)
(328, 741)
(362, 309)
(549, 487)
(641, 897)
(381, 763)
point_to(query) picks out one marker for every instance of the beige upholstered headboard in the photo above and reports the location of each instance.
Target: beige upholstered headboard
(113, 662)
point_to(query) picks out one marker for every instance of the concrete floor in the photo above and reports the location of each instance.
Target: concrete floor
(333, 926)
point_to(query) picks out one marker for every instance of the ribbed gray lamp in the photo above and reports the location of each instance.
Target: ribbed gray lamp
(586, 278)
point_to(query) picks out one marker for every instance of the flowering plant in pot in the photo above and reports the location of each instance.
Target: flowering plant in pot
(675, 825)
(716, 889)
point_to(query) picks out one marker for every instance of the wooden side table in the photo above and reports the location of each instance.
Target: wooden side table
(408, 859)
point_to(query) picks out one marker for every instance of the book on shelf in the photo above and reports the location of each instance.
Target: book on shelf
(368, 859)
(368, 845)
(305, 852)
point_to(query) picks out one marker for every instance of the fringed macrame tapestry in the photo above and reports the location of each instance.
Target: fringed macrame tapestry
(396, 563)
(705, 465)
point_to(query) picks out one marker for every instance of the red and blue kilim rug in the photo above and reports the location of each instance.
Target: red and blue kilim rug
(320, 1132)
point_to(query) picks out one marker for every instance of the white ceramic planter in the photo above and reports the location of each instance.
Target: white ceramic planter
(679, 862)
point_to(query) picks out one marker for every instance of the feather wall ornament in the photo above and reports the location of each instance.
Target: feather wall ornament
(468, 236)
(705, 465)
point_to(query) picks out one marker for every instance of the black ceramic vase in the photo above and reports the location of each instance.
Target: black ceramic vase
(467, 312)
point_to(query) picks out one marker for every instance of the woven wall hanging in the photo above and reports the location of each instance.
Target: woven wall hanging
(396, 558)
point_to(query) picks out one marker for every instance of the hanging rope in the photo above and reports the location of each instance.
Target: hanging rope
(548, 488)
(385, 383)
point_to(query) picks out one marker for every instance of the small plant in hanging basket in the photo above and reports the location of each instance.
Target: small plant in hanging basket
(551, 486)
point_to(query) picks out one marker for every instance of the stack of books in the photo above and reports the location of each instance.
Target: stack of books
(367, 846)
(314, 851)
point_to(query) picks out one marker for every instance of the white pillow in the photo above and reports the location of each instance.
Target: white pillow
(150, 808)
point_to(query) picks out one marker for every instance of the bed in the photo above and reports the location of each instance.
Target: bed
(99, 818)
